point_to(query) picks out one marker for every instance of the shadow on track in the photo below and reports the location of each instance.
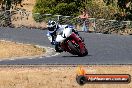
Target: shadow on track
(76, 56)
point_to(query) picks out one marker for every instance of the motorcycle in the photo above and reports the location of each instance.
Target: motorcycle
(70, 42)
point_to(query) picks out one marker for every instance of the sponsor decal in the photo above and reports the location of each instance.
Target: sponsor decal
(83, 78)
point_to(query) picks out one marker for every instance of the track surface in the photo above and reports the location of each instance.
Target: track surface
(103, 49)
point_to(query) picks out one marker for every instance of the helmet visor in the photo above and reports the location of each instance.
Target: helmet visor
(51, 28)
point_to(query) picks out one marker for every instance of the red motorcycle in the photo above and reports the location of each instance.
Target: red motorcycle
(71, 42)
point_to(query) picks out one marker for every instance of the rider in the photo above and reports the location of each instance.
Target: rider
(54, 28)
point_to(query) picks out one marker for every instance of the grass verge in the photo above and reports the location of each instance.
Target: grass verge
(57, 77)
(12, 49)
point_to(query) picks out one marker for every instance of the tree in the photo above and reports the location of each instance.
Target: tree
(6, 6)
(123, 5)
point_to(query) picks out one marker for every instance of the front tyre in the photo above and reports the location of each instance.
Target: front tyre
(74, 50)
(86, 52)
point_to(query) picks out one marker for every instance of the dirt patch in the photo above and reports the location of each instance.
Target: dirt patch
(20, 20)
(56, 77)
(12, 49)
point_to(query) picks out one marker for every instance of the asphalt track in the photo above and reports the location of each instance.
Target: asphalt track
(103, 48)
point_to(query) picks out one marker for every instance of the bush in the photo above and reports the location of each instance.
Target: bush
(66, 7)
(100, 10)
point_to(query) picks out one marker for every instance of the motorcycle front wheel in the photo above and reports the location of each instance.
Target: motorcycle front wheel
(76, 50)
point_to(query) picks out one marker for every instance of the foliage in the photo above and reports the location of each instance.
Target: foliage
(63, 7)
(123, 5)
(6, 4)
(107, 9)
(98, 9)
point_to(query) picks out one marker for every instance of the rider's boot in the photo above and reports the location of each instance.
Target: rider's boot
(58, 48)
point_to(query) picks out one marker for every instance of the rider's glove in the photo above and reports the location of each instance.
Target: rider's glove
(53, 42)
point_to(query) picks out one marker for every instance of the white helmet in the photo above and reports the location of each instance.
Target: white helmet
(52, 25)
